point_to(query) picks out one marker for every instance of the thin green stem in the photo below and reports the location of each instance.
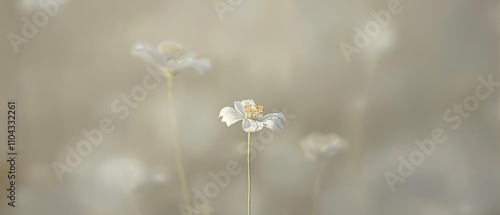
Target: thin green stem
(249, 177)
(175, 141)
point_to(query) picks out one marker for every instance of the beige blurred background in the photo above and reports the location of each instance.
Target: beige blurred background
(282, 54)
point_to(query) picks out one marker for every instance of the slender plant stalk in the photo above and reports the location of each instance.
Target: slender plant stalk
(359, 129)
(249, 177)
(133, 201)
(316, 188)
(175, 141)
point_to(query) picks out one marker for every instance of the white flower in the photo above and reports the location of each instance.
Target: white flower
(319, 146)
(252, 116)
(208, 210)
(384, 41)
(170, 57)
(123, 173)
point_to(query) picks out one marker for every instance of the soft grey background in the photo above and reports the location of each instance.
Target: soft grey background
(283, 54)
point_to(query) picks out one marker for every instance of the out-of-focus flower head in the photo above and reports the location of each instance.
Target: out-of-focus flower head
(383, 42)
(252, 116)
(153, 178)
(208, 210)
(170, 57)
(319, 146)
(124, 173)
(30, 6)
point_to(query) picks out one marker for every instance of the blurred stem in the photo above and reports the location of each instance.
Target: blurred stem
(175, 140)
(249, 176)
(370, 71)
(359, 129)
(316, 188)
(133, 201)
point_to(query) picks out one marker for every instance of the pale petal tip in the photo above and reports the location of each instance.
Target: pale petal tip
(230, 115)
(203, 65)
(147, 53)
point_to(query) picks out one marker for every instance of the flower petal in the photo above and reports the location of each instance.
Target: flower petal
(188, 59)
(148, 53)
(271, 116)
(247, 102)
(239, 105)
(274, 124)
(187, 56)
(251, 125)
(319, 146)
(273, 121)
(230, 115)
(201, 64)
(239, 108)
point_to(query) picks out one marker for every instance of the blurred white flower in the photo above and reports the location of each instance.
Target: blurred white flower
(383, 42)
(152, 179)
(319, 146)
(208, 210)
(126, 174)
(252, 116)
(157, 176)
(30, 6)
(170, 57)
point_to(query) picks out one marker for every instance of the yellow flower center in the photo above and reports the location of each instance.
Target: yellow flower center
(253, 112)
(171, 49)
(320, 142)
